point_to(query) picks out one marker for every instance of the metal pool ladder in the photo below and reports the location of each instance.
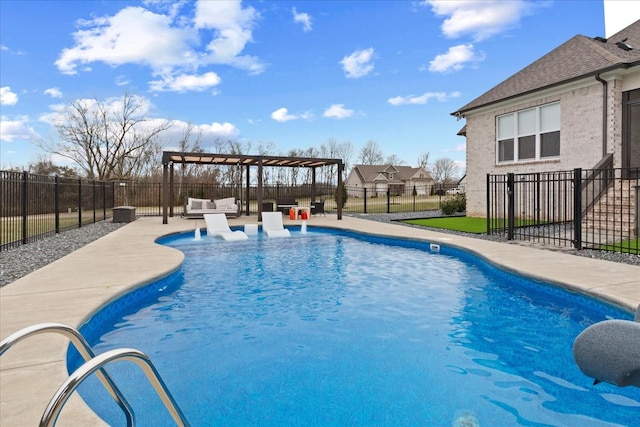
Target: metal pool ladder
(95, 364)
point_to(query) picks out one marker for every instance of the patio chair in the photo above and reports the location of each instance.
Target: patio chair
(217, 226)
(272, 225)
(317, 207)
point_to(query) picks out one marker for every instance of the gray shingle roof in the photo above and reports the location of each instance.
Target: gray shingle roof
(577, 58)
(368, 173)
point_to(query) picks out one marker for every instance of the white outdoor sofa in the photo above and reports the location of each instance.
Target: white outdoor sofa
(196, 208)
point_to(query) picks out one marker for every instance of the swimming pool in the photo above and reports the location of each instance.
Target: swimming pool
(336, 328)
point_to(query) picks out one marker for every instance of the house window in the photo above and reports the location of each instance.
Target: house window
(527, 135)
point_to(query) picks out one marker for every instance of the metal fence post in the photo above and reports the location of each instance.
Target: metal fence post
(24, 206)
(104, 200)
(577, 208)
(388, 201)
(56, 203)
(637, 225)
(488, 204)
(171, 203)
(414, 194)
(80, 203)
(510, 206)
(93, 187)
(365, 199)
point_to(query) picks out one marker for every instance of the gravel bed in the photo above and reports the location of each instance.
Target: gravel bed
(24, 259)
(18, 262)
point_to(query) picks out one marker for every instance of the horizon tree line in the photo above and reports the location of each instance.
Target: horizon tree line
(118, 141)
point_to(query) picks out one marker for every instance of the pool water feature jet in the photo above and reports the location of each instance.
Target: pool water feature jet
(303, 227)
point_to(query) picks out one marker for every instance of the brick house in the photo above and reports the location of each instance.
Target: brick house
(575, 107)
(377, 179)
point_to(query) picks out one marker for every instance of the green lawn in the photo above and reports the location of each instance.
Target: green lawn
(467, 224)
(456, 223)
(627, 246)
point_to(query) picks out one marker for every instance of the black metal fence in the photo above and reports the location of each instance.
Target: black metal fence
(585, 209)
(147, 197)
(363, 200)
(36, 206)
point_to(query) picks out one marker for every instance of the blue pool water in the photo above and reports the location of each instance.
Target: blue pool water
(335, 328)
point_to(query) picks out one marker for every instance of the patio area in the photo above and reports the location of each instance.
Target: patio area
(70, 289)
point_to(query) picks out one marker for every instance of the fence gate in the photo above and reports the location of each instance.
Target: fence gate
(594, 209)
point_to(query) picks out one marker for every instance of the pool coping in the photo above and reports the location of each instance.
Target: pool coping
(72, 288)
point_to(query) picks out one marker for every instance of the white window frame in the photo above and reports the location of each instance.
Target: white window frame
(511, 130)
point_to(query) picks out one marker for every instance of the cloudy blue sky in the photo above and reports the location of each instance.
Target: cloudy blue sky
(290, 74)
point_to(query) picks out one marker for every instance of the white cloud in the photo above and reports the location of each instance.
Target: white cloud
(480, 19)
(168, 43)
(54, 92)
(134, 35)
(17, 129)
(218, 130)
(7, 97)
(302, 18)
(209, 133)
(232, 26)
(422, 99)
(337, 111)
(358, 64)
(185, 83)
(282, 115)
(455, 59)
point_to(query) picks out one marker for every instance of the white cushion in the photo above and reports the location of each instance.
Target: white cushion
(190, 201)
(226, 203)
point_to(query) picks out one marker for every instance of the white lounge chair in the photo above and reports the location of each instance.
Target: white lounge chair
(272, 225)
(217, 225)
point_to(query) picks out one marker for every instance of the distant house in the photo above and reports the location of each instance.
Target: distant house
(577, 106)
(377, 179)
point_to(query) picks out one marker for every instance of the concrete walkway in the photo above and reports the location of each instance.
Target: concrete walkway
(70, 289)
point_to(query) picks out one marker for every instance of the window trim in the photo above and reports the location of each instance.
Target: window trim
(515, 137)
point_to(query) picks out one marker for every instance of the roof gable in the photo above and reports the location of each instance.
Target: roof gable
(372, 173)
(577, 58)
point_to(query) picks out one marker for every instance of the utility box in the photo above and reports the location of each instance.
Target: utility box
(124, 214)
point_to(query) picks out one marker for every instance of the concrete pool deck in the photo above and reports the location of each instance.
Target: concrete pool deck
(72, 288)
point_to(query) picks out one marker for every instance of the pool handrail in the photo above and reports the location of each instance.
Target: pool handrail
(59, 399)
(83, 348)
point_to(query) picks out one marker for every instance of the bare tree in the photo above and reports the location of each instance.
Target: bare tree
(444, 171)
(394, 160)
(371, 154)
(423, 161)
(346, 153)
(108, 140)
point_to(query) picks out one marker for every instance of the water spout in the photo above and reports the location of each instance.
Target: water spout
(197, 234)
(303, 227)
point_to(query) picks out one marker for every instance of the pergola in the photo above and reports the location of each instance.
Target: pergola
(169, 158)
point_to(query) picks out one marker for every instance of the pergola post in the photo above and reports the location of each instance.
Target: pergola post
(248, 188)
(165, 193)
(339, 195)
(313, 184)
(172, 196)
(259, 195)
